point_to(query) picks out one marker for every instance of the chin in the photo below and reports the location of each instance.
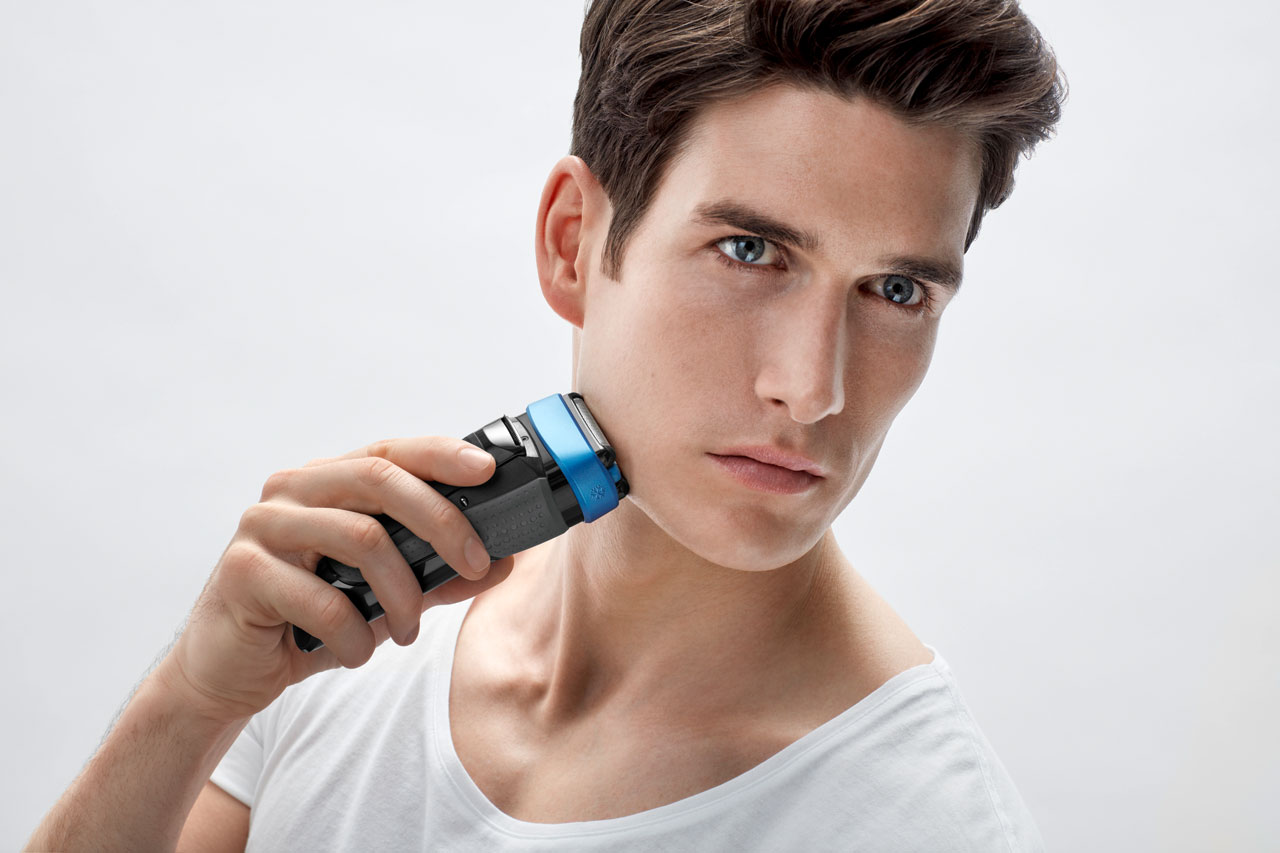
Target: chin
(748, 541)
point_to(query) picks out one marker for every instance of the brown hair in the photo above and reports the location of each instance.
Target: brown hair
(979, 66)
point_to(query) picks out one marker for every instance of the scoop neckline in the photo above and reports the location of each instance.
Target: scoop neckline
(720, 795)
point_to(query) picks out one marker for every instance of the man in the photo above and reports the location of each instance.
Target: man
(761, 223)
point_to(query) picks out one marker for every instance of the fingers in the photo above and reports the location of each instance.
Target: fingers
(349, 537)
(460, 588)
(267, 590)
(433, 457)
(327, 507)
(375, 485)
(307, 664)
(373, 480)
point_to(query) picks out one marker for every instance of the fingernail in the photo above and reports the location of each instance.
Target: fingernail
(476, 554)
(474, 457)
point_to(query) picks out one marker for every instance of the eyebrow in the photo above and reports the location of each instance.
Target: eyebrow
(943, 273)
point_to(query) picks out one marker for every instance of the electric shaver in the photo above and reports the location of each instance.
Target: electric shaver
(554, 469)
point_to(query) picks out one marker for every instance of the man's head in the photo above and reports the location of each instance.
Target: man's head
(649, 66)
(754, 234)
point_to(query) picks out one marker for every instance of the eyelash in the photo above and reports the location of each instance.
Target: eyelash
(926, 291)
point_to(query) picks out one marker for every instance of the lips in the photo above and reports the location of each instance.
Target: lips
(775, 455)
(764, 477)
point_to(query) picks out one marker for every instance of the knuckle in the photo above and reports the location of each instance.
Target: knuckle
(258, 517)
(443, 515)
(367, 533)
(332, 611)
(380, 448)
(277, 483)
(376, 471)
(244, 563)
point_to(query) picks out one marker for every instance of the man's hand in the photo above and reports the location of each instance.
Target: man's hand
(236, 653)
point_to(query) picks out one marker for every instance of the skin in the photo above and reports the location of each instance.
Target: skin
(704, 625)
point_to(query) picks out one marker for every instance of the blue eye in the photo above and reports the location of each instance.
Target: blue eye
(748, 249)
(899, 289)
(911, 295)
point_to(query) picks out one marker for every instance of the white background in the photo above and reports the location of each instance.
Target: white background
(236, 236)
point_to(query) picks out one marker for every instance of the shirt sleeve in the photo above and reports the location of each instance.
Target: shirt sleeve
(241, 767)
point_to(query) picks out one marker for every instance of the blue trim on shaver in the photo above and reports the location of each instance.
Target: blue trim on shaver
(591, 483)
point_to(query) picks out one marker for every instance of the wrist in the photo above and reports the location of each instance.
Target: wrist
(177, 697)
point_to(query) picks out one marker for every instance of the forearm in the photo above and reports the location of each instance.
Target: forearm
(137, 790)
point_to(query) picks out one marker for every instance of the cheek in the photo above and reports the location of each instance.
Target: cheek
(887, 366)
(663, 334)
(709, 330)
(635, 374)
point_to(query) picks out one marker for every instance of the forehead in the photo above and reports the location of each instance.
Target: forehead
(847, 170)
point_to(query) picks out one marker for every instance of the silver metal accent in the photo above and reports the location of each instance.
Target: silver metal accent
(530, 449)
(585, 418)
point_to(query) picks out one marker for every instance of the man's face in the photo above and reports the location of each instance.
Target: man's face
(707, 342)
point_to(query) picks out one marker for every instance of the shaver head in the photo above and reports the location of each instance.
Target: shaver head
(559, 434)
(579, 450)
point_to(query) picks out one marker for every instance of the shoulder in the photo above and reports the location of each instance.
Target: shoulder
(919, 737)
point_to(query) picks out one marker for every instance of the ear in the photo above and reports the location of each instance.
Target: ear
(573, 220)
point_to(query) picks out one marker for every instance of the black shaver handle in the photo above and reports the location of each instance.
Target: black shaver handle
(512, 511)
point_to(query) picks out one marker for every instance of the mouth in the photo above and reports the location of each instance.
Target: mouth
(764, 477)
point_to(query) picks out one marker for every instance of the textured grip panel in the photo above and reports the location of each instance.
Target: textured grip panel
(517, 520)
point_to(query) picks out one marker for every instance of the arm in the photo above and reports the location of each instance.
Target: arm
(235, 655)
(136, 791)
(218, 822)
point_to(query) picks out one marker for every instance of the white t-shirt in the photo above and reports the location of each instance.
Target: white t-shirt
(363, 760)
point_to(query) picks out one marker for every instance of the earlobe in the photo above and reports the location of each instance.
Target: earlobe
(572, 214)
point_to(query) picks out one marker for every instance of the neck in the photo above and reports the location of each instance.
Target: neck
(617, 612)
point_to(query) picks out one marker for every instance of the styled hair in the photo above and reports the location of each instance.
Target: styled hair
(648, 66)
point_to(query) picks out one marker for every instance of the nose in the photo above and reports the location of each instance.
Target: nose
(804, 356)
